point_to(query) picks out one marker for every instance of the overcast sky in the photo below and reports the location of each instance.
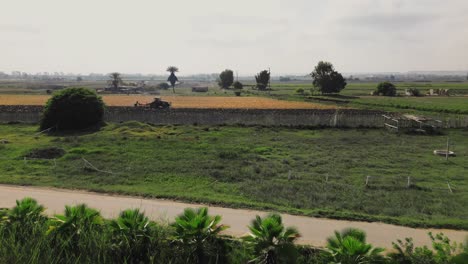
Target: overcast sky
(204, 36)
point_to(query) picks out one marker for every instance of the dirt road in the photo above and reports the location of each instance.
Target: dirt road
(314, 230)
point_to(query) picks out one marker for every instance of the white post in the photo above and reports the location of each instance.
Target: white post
(450, 188)
(409, 182)
(367, 180)
(447, 153)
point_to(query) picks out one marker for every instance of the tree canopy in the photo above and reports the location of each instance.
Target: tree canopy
(226, 78)
(326, 79)
(262, 79)
(115, 79)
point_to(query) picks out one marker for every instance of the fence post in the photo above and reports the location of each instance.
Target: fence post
(409, 182)
(450, 188)
(367, 180)
(448, 148)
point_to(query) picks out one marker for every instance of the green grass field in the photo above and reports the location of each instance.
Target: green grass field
(357, 95)
(250, 167)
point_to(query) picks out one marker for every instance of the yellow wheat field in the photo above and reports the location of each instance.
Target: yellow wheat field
(178, 101)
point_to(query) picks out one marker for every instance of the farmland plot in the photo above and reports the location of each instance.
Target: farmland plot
(178, 101)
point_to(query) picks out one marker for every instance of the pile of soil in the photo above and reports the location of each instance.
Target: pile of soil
(46, 153)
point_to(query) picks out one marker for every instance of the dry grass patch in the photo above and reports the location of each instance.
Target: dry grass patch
(179, 101)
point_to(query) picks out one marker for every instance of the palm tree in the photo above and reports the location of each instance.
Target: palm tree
(198, 230)
(271, 241)
(350, 247)
(26, 210)
(172, 78)
(23, 220)
(132, 235)
(77, 222)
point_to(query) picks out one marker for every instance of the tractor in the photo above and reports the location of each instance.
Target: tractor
(156, 104)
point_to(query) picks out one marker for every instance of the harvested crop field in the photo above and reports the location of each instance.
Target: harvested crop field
(178, 101)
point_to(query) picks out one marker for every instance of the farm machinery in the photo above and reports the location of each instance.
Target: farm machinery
(156, 104)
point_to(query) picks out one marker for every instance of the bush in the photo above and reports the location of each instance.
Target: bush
(73, 108)
(414, 92)
(238, 85)
(163, 86)
(300, 91)
(386, 89)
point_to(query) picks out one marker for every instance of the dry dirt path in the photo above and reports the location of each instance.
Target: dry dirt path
(314, 230)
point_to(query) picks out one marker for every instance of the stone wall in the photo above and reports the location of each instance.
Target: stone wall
(267, 117)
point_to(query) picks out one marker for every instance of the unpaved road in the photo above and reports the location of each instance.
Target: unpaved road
(314, 230)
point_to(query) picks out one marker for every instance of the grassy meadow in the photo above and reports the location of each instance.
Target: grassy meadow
(316, 172)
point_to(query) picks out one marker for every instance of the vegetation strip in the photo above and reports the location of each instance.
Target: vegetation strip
(194, 236)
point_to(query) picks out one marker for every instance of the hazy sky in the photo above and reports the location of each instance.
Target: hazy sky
(202, 36)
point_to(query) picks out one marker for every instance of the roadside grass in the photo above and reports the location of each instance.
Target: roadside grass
(283, 169)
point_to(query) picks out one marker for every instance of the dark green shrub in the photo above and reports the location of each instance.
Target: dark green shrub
(442, 251)
(414, 92)
(386, 89)
(73, 108)
(238, 85)
(300, 91)
(163, 86)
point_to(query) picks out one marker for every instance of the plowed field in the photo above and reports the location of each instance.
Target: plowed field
(178, 101)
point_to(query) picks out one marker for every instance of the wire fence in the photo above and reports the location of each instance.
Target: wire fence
(388, 182)
(383, 182)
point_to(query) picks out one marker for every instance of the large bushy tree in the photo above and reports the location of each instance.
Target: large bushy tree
(73, 108)
(326, 79)
(226, 78)
(262, 79)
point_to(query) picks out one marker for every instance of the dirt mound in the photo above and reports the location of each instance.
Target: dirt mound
(46, 153)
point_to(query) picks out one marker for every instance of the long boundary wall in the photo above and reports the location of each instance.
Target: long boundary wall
(267, 117)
